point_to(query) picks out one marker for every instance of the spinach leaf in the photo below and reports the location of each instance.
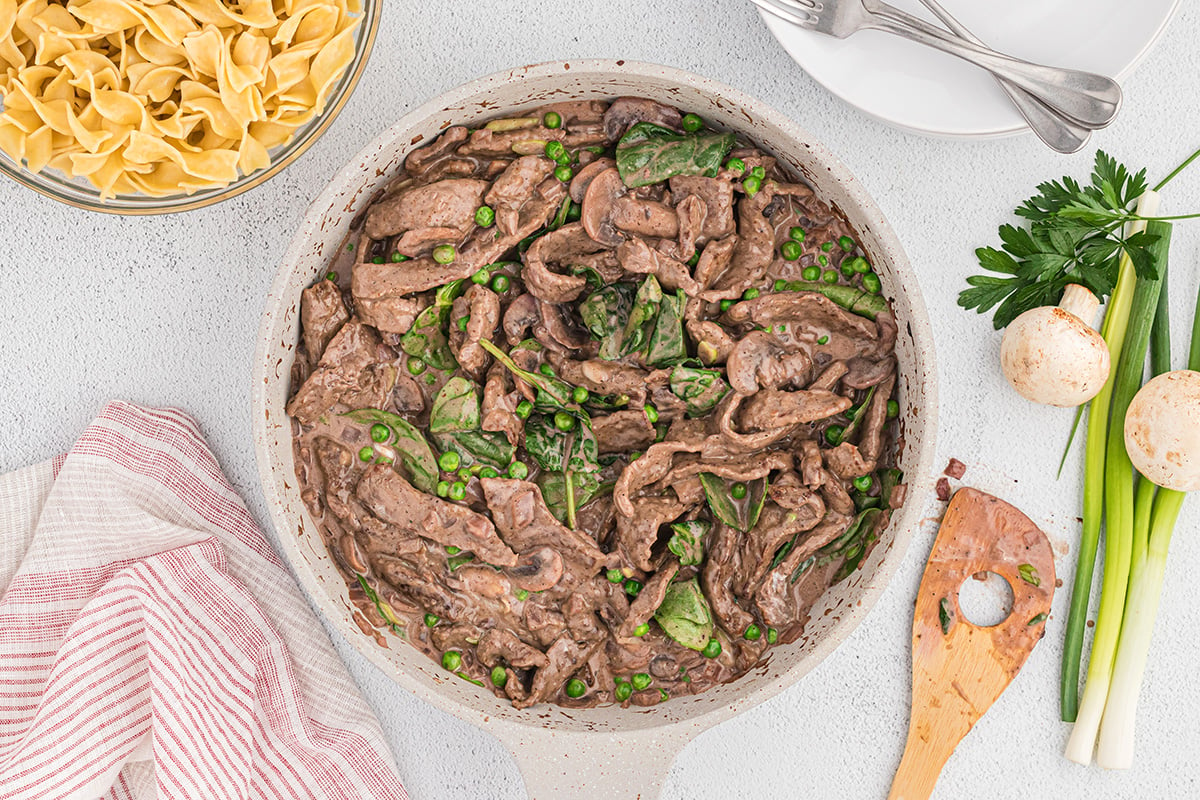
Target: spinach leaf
(412, 450)
(568, 454)
(552, 393)
(583, 453)
(859, 412)
(486, 447)
(545, 444)
(740, 514)
(687, 541)
(667, 345)
(852, 545)
(641, 318)
(427, 339)
(455, 408)
(684, 615)
(605, 314)
(647, 154)
(585, 486)
(701, 389)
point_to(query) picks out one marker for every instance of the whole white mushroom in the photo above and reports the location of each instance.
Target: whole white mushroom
(1162, 430)
(1053, 355)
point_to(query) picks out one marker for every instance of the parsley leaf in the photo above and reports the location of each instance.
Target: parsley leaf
(1075, 234)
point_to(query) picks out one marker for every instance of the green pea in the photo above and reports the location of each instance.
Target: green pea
(398, 257)
(634, 456)
(726, 305)
(499, 676)
(758, 172)
(846, 243)
(796, 234)
(522, 595)
(753, 633)
(833, 434)
(738, 491)
(482, 277)
(451, 660)
(651, 413)
(712, 649)
(735, 165)
(850, 413)
(524, 409)
(641, 630)
(465, 474)
(847, 269)
(826, 247)
(641, 681)
(791, 250)
(380, 433)
(415, 365)
(377, 260)
(823, 340)
(823, 260)
(555, 150)
(893, 409)
(485, 216)
(750, 294)
(779, 285)
(563, 173)
(871, 283)
(580, 395)
(830, 276)
(461, 323)
(443, 488)
(500, 284)
(449, 461)
(811, 273)
(751, 185)
(444, 254)
(772, 636)
(564, 421)
(552, 120)
(576, 688)
(623, 691)
(863, 483)
(366, 454)
(489, 472)
(331, 276)
(632, 587)
(546, 370)
(518, 470)
(350, 247)
(458, 490)
(431, 620)
(614, 575)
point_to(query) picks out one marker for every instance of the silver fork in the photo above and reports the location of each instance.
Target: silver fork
(1057, 132)
(1090, 99)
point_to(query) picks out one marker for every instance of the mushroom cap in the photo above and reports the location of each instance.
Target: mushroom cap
(1051, 356)
(1162, 430)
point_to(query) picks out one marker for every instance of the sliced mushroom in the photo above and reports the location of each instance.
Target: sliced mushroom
(626, 111)
(583, 178)
(537, 570)
(599, 202)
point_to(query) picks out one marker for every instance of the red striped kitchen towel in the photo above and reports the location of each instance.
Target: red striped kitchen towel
(151, 642)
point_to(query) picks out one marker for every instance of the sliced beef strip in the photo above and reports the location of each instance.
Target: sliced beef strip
(638, 257)
(514, 188)
(717, 196)
(420, 160)
(829, 377)
(755, 243)
(847, 462)
(499, 408)
(812, 466)
(642, 609)
(870, 440)
(562, 247)
(759, 360)
(373, 387)
(745, 469)
(497, 645)
(486, 143)
(521, 315)
(733, 440)
(322, 314)
(421, 241)
(638, 532)
(690, 212)
(392, 499)
(424, 587)
(849, 334)
(653, 466)
(337, 465)
(390, 314)
(776, 526)
(775, 408)
(346, 358)
(645, 217)
(557, 329)
(484, 308)
(863, 373)
(623, 431)
(774, 598)
(524, 522)
(543, 620)
(625, 112)
(461, 637)
(715, 260)
(447, 203)
(835, 495)
(565, 657)
(721, 566)
(603, 377)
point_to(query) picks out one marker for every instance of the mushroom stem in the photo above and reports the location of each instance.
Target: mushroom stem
(1080, 301)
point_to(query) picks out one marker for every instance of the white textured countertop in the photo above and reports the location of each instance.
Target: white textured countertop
(164, 311)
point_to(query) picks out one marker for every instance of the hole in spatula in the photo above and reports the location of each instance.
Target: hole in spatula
(985, 602)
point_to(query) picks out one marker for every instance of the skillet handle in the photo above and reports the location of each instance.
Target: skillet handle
(631, 765)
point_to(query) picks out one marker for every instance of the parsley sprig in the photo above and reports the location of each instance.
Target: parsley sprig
(1075, 235)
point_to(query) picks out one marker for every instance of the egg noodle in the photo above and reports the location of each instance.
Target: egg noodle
(163, 96)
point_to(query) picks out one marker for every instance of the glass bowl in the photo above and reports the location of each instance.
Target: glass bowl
(79, 193)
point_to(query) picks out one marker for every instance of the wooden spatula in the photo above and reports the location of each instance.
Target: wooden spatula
(959, 669)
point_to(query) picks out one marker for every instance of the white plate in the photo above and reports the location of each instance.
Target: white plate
(923, 90)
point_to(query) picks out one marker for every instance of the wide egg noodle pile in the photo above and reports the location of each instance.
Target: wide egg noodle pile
(163, 96)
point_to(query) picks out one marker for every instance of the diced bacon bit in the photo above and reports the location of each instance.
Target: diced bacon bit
(955, 469)
(943, 489)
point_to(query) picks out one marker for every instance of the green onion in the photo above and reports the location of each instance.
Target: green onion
(651, 413)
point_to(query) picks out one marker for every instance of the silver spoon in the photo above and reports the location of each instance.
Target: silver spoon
(1058, 133)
